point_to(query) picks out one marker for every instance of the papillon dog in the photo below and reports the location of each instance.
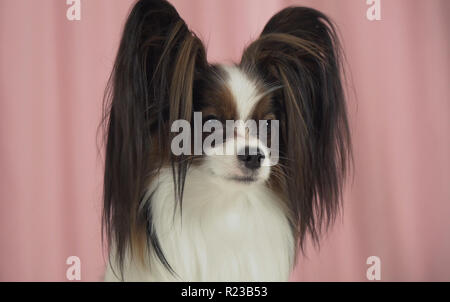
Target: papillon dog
(216, 217)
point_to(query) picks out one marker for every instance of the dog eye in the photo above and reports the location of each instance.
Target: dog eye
(210, 117)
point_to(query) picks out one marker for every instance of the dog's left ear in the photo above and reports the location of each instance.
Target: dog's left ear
(299, 50)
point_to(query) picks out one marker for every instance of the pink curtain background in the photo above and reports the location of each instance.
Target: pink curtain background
(53, 73)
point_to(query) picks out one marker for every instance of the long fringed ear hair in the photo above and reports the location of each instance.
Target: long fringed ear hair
(157, 65)
(299, 50)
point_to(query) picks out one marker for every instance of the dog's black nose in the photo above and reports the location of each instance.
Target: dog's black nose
(251, 158)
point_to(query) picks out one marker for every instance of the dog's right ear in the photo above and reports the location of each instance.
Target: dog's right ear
(157, 60)
(151, 86)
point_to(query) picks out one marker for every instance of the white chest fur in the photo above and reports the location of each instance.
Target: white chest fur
(227, 232)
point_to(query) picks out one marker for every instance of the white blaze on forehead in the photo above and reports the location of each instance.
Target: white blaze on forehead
(244, 90)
